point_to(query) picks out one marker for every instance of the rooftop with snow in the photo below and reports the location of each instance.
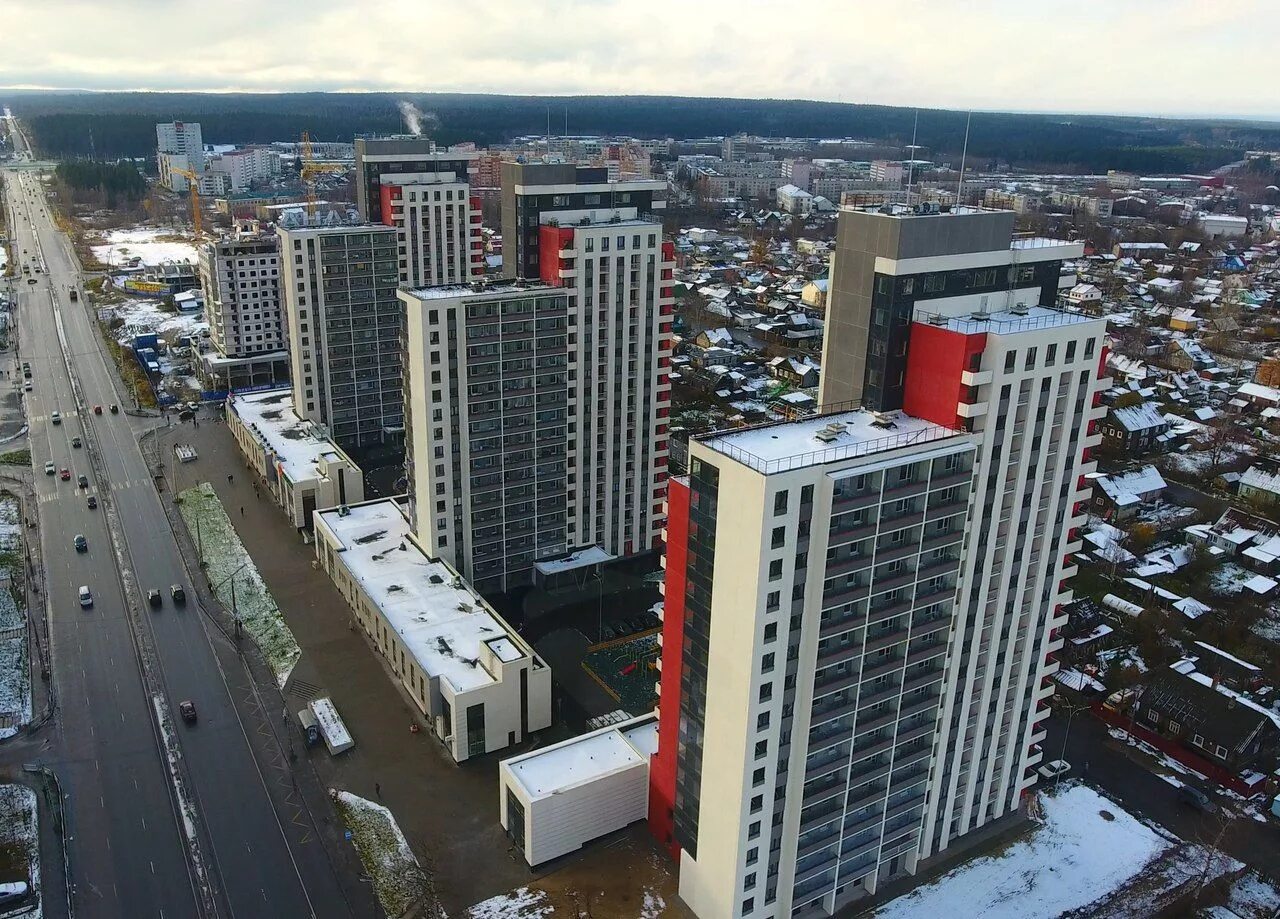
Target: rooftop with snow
(298, 445)
(828, 438)
(585, 758)
(450, 631)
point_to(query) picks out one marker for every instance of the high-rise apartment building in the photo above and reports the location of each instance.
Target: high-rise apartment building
(178, 144)
(425, 193)
(344, 325)
(486, 385)
(240, 277)
(939, 322)
(538, 194)
(811, 576)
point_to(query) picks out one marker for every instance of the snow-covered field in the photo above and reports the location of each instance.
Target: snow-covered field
(226, 556)
(522, 903)
(15, 673)
(19, 829)
(1201, 463)
(153, 245)
(398, 879)
(1086, 848)
(143, 317)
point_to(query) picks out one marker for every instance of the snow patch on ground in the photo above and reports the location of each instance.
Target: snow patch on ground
(653, 905)
(230, 567)
(398, 879)
(15, 669)
(1076, 856)
(144, 317)
(19, 832)
(1202, 462)
(1252, 898)
(1230, 578)
(153, 245)
(519, 904)
(1268, 626)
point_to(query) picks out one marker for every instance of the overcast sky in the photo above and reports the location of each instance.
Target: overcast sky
(1132, 56)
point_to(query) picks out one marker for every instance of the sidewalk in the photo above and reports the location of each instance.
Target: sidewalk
(448, 813)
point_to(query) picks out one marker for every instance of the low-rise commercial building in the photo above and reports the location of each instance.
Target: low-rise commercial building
(303, 470)
(555, 800)
(477, 683)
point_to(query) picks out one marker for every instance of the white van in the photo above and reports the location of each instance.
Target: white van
(86, 598)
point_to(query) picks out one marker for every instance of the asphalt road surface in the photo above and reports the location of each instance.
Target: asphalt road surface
(129, 849)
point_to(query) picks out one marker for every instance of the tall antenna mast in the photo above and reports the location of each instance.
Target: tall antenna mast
(911, 163)
(566, 121)
(963, 154)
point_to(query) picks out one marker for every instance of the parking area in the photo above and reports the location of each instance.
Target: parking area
(449, 813)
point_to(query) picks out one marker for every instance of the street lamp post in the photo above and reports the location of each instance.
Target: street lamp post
(1075, 710)
(235, 610)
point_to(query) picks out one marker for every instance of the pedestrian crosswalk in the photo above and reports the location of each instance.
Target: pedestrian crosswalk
(45, 419)
(68, 490)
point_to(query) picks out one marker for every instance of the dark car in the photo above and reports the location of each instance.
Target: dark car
(93, 502)
(187, 709)
(1194, 797)
(83, 481)
(82, 544)
(153, 597)
(76, 442)
(178, 594)
(115, 409)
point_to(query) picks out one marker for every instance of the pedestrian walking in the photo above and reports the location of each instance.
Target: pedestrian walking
(242, 510)
(377, 789)
(230, 478)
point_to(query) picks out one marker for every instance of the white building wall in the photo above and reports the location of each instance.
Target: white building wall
(433, 221)
(1028, 473)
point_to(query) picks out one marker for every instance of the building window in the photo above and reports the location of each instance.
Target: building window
(771, 631)
(780, 504)
(1031, 359)
(749, 904)
(775, 570)
(1198, 740)
(1220, 752)
(1174, 728)
(1009, 360)
(757, 779)
(778, 538)
(773, 601)
(1153, 716)
(766, 663)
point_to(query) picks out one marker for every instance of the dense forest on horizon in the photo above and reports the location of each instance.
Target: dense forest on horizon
(118, 124)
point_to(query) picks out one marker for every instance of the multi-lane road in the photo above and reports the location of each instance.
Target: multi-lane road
(165, 818)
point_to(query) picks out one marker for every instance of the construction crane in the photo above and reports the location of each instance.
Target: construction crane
(193, 186)
(311, 168)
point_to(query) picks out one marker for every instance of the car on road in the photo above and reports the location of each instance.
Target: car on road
(154, 598)
(26, 387)
(178, 594)
(83, 481)
(31, 280)
(86, 598)
(65, 475)
(49, 468)
(82, 544)
(115, 409)
(97, 409)
(93, 502)
(56, 417)
(1054, 769)
(188, 710)
(75, 441)
(1194, 797)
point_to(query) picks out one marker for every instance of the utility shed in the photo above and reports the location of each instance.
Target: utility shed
(555, 800)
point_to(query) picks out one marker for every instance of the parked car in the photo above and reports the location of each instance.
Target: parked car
(82, 544)
(27, 387)
(49, 468)
(153, 597)
(188, 710)
(1194, 797)
(86, 598)
(178, 594)
(93, 502)
(1054, 769)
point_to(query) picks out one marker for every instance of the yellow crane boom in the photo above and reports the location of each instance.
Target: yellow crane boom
(193, 186)
(311, 168)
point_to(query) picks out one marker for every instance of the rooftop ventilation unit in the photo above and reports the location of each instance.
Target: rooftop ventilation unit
(1019, 309)
(883, 419)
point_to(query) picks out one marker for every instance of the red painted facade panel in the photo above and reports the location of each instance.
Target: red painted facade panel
(388, 194)
(936, 359)
(550, 241)
(662, 767)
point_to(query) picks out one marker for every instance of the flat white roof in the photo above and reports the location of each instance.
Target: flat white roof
(441, 625)
(1005, 321)
(452, 291)
(795, 444)
(295, 443)
(557, 768)
(592, 555)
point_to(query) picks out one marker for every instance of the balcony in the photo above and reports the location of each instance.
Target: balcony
(922, 679)
(971, 409)
(889, 524)
(904, 489)
(848, 565)
(947, 509)
(880, 640)
(950, 479)
(940, 540)
(845, 535)
(840, 505)
(975, 377)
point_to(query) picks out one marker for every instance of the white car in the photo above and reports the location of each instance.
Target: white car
(86, 597)
(1055, 769)
(49, 468)
(56, 417)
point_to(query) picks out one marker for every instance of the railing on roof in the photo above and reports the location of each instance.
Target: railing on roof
(1040, 242)
(1009, 321)
(834, 453)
